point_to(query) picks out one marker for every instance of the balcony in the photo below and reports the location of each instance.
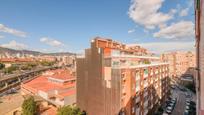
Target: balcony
(151, 73)
(145, 76)
(156, 72)
(123, 91)
(137, 99)
(145, 84)
(137, 89)
(124, 78)
(145, 73)
(145, 104)
(151, 81)
(151, 106)
(145, 94)
(145, 111)
(137, 77)
(137, 111)
(156, 79)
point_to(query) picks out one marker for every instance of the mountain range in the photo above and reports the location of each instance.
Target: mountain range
(8, 51)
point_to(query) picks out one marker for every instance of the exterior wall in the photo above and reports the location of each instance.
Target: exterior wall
(81, 87)
(153, 89)
(199, 26)
(94, 88)
(201, 58)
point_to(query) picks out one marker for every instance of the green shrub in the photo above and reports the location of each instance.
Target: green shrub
(69, 110)
(29, 106)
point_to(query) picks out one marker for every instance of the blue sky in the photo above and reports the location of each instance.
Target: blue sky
(69, 25)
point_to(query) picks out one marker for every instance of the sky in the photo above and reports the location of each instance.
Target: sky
(69, 25)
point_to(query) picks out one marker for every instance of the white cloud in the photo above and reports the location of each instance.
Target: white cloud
(160, 47)
(131, 31)
(14, 45)
(51, 42)
(147, 14)
(1, 36)
(146, 31)
(15, 32)
(180, 30)
(184, 12)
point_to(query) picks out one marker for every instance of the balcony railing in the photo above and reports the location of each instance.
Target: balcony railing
(145, 94)
(137, 88)
(145, 104)
(146, 111)
(145, 75)
(145, 84)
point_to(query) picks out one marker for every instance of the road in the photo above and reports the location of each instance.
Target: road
(181, 100)
(180, 104)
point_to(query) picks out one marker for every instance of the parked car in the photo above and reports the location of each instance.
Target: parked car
(173, 86)
(169, 109)
(188, 95)
(186, 112)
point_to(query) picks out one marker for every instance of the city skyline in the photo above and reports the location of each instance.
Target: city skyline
(51, 26)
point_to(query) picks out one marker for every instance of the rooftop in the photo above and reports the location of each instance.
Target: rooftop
(42, 83)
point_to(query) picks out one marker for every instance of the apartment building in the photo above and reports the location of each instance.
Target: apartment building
(180, 62)
(199, 26)
(114, 78)
(9, 61)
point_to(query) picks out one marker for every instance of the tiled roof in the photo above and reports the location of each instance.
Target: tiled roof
(42, 83)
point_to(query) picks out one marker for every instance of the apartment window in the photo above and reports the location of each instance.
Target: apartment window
(123, 77)
(107, 62)
(115, 53)
(151, 71)
(115, 63)
(133, 109)
(145, 71)
(145, 82)
(137, 85)
(137, 99)
(137, 105)
(123, 62)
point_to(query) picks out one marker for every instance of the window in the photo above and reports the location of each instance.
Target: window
(137, 75)
(115, 63)
(145, 71)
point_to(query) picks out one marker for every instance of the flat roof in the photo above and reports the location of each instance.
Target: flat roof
(42, 83)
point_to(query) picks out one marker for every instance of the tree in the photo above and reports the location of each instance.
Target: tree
(2, 66)
(28, 66)
(69, 110)
(47, 63)
(29, 106)
(11, 69)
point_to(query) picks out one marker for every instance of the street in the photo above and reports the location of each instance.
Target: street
(180, 105)
(181, 100)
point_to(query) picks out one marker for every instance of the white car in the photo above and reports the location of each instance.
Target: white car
(169, 109)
